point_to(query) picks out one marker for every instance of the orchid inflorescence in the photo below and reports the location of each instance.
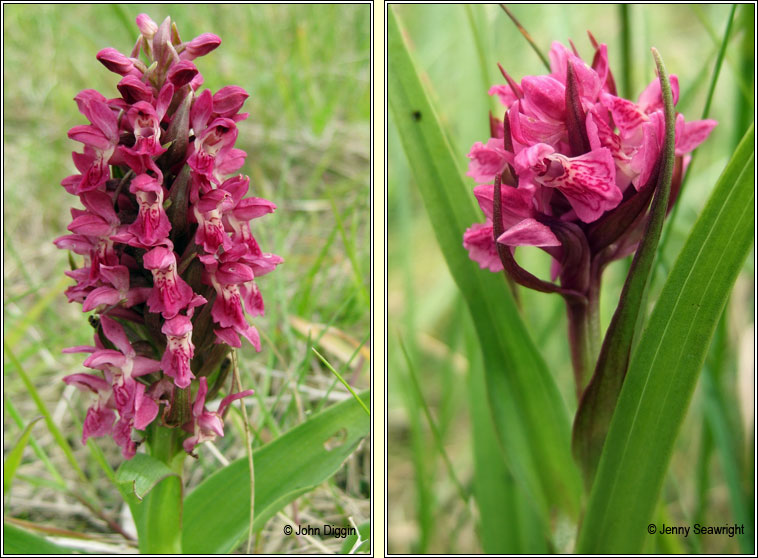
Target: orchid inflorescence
(571, 169)
(170, 261)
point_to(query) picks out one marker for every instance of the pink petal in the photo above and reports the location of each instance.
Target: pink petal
(181, 73)
(237, 186)
(251, 334)
(252, 208)
(122, 435)
(137, 295)
(229, 100)
(234, 273)
(164, 100)
(202, 391)
(189, 444)
(90, 225)
(626, 115)
(159, 257)
(253, 299)
(233, 397)
(200, 46)
(89, 135)
(134, 91)
(144, 365)
(145, 409)
(98, 422)
(201, 111)
(105, 357)
(588, 182)
(101, 295)
(146, 26)
(643, 161)
(529, 233)
(177, 326)
(480, 243)
(91, 382)
(100, 204)
(528, 130)
(544, 98)
(516, 203)
(115, 61)
(210, 423)
(79, 349)
(115, 332)
(504, 93)
(533, 158)
(694, 134)
(651, 100)
(228, 336)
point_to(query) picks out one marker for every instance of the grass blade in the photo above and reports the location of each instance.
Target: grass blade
(13, 460)
(529, 412)
(666, 364)
(706, 112)
(495, 490)
(341, 379)
(432, 425)
(54, 430)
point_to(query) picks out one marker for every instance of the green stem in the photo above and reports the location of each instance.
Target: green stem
(162, 532)
(579, 342)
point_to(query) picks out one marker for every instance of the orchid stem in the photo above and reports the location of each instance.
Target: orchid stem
(579, 341)
(164, 503)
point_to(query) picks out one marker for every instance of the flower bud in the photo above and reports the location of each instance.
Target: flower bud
(229, 100)
(115, 61)
(200, 46)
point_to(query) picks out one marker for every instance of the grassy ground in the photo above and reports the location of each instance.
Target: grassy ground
(307, 139)
(457, 48)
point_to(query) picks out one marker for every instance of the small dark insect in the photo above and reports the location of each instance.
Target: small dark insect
(416, 115)
(94, 321)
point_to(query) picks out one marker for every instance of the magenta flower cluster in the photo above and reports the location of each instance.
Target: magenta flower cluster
(574, 162)
(170, 261)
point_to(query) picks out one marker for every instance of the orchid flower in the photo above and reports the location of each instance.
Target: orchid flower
(164, 231)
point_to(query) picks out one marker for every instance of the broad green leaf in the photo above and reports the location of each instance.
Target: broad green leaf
(217, 512)
(142, 472)
(665, 367)
(599, 399)
(528, 411)
(14, 456)
(20, 541)
(154, 494)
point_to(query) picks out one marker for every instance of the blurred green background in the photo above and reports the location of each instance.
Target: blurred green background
(456, 49)
(306, 68)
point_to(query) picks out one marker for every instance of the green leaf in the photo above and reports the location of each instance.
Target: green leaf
(154, 494)
(142, 472)
(497, 494)
(364, 532)
(217, 512)
(20, 541)
(599, 399)
(14, 456)
(666, 364)
(528, 411)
